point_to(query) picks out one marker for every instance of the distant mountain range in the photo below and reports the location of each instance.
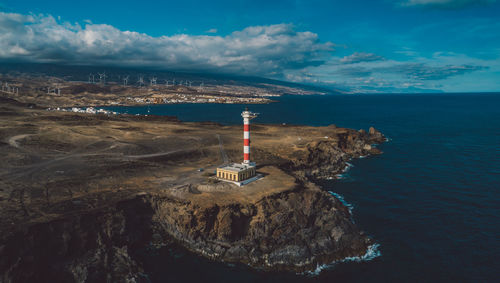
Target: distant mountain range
(116, 74)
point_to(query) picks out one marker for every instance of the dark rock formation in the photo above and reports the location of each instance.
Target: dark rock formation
(294, 230)
(376, 135)
(325, 158)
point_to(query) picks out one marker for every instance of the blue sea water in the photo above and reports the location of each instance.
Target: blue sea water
(431, 201)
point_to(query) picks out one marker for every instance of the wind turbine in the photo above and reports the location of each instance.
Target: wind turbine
(141, 81)
(125, 81)
(102, 78)
(152, 81)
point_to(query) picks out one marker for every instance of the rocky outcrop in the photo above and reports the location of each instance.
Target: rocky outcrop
(294, 230)
(325, 158)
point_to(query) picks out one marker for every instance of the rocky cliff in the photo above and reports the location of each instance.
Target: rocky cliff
(293, 230)
(324, 158)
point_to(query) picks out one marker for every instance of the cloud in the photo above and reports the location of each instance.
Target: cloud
(256, 50)
(212, 30)
(302, 77)
(419, 71)
(442, 71)
(355, 72)
(445, 4)
(358, 57)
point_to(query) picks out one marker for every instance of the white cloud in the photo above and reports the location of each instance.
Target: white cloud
(212, 30)
(445, 4)
(256, 50)
(442, 71)
(423, 72)
(358, 57)
(278, 51)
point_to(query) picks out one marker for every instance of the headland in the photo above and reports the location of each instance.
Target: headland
(80, 193)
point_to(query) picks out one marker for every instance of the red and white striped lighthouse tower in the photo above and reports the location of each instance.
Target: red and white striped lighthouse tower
(247, 116)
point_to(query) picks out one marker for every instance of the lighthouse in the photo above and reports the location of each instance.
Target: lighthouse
(245, 172)
(247, 116)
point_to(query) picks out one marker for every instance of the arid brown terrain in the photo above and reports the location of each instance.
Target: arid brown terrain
(54, 92)
(78, 192)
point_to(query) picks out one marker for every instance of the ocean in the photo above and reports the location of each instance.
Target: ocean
(431, 201)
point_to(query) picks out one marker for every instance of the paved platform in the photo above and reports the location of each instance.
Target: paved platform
(244, 182)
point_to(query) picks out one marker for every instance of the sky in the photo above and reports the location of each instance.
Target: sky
(358, 46)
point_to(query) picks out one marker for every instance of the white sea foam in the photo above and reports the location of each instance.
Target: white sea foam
(347, 167)
(339, 176)
(342, 200)
(371, 253)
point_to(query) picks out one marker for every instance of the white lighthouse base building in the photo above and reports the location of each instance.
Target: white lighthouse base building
(237, 173)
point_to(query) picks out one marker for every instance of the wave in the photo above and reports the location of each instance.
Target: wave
(347, 167)
(340, 176)
(343, 201)
(371, 252)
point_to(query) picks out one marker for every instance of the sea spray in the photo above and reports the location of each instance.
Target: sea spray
(344, 174)
(371, 252)
(347, 167)
(343, 201)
